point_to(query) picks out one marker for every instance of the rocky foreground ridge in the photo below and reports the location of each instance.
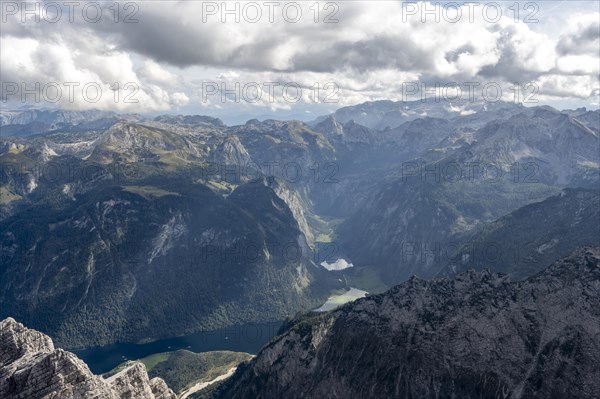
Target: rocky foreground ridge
(479, 335)
(30, 368)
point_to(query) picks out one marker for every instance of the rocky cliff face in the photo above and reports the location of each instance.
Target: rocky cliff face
(30, 368)
(477, 336)
(414, 227)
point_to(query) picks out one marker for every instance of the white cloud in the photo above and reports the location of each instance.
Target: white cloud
(368, 54)
(73, 79)
(153, 72)
(581, 34)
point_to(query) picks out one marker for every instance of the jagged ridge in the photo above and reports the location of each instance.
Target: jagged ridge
(30, 368)
(477, 336)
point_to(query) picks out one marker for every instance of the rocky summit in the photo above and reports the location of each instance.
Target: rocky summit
(31, 368)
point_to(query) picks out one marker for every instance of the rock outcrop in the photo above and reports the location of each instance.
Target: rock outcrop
(31, 368)
(476, 336)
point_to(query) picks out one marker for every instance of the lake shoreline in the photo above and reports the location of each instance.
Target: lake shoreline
(249, 338)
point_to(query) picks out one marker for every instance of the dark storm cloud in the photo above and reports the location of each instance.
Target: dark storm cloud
(366, 55)
(158, 37)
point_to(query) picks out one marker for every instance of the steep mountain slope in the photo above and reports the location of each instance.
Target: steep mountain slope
(479, 335)
(407, 227)
(523, 242)
(155, 258)
(31, 368)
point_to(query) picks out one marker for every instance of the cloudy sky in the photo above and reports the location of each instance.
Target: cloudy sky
(294, 59)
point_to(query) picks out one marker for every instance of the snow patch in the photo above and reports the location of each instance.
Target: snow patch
(339, 264)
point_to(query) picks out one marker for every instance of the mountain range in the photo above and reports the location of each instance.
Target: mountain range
(127, 228)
